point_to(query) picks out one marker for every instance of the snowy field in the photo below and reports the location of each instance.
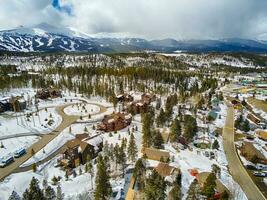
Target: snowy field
(82, 109)
(21, 131)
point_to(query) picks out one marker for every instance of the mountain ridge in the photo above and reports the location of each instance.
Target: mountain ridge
(47, 38)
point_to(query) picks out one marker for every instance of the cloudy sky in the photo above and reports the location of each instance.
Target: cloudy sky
(151, 19)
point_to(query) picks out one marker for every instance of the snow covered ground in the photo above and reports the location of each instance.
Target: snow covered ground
(71, 187)
(82, 109)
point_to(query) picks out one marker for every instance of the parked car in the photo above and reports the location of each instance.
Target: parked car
(260, 174)
(212, 155)
(20, 152)
(261, 167)
(250, 167)
(6, 161)
(207, 154)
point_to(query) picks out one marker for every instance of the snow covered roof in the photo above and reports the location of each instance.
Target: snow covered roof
(111, 120)
(95, 141)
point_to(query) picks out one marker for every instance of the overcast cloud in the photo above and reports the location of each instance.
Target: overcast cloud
(180, 19)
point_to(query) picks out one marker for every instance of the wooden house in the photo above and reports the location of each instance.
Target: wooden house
(253, 118)
(220, 188)
(156, 154)
(262, 135)
(168, 172)
(138, 107)
(125, 98)
(46, 93)
(147, 97)
(115, 122)
(77, 152)
(252, 154)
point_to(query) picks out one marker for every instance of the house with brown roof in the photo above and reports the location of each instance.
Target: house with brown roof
(46, 93)
(253, 118)
(220, 188)
(138, 107)
(147, 97)
(115, 122)
(156, 154)
(262, 135)
(249, 151)
(77, 152)
(168, 172)
(124, 98)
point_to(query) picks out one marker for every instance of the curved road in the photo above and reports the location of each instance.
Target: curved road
(235, 166)
(67, 120)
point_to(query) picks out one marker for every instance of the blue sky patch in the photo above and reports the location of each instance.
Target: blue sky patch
(66, 8)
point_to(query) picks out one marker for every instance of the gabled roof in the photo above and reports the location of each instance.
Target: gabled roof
(164, 169)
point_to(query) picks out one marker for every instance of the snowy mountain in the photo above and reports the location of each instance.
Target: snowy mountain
(46, 38)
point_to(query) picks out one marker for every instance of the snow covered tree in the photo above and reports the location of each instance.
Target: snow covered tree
(132, 149)
(14, 196)
(50, 193)
(194, 192)
(33, 192)
(103, 188)
(60, 195)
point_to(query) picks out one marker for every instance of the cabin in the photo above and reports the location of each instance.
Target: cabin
(253, 118)
(251, 153)
(220, 187)
(47, 93)
(147, 97)
(124, 98)
(167, 172)
(16, 104)
(237, 104)
(115, 122)
(138, 107)
(77, 152)
(156, 154)
(262, 135)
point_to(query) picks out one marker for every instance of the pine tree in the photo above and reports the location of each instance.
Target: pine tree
(175, 131)
(146, 130)
(14, 196)
(246, 126)
(33, 192)
(215, 145)
(60, 195)
(132, 149)
(50, 193)
(103, 188)
(190, 127)
(194, 192)
(161, 118)
(175, 193)
(157, 140)
(209, 186)
(122, 158)
(139, 174)
(91, 172)
(155, 187)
